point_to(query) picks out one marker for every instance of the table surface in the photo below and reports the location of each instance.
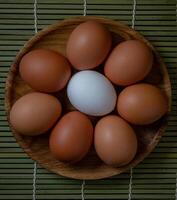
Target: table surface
(155, 177)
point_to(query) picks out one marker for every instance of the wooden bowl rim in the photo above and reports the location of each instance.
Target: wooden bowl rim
(48, 30)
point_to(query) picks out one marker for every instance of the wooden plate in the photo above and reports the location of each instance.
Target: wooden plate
(91, 167)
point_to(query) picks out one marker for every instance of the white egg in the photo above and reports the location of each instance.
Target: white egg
(91, 93)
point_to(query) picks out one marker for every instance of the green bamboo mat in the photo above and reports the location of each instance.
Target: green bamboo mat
(155, 178)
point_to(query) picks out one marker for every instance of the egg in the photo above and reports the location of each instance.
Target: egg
(34, 113)
(142, 104)
(71, 138)
(88, 45)
(91, 93)
(45, 70)
(115, 141)
(129, 62)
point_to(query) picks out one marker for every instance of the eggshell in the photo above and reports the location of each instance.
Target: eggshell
(45, 70)
(115, 141)
(34, 113)
(129, 62)
(71, 138)
(88, 45)
(142, 104)
(91, 93)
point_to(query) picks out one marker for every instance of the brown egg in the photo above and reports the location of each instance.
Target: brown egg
(35, 113)
(88, 45)
(129, 62)
(45, 70)
(142, 104)
(115, 141)
(71, 138)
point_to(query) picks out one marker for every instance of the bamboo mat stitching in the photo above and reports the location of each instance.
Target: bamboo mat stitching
(131, 170)
(35, 16)
(134, 13)
(85, 7)
(35, 164)
(82, 190)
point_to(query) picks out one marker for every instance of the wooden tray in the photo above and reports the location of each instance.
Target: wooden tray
(91, 167)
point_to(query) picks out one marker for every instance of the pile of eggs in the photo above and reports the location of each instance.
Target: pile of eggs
(101, 83)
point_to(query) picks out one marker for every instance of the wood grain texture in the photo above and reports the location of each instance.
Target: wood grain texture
(55, 37)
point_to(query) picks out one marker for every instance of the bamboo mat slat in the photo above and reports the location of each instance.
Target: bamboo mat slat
(155, 177)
